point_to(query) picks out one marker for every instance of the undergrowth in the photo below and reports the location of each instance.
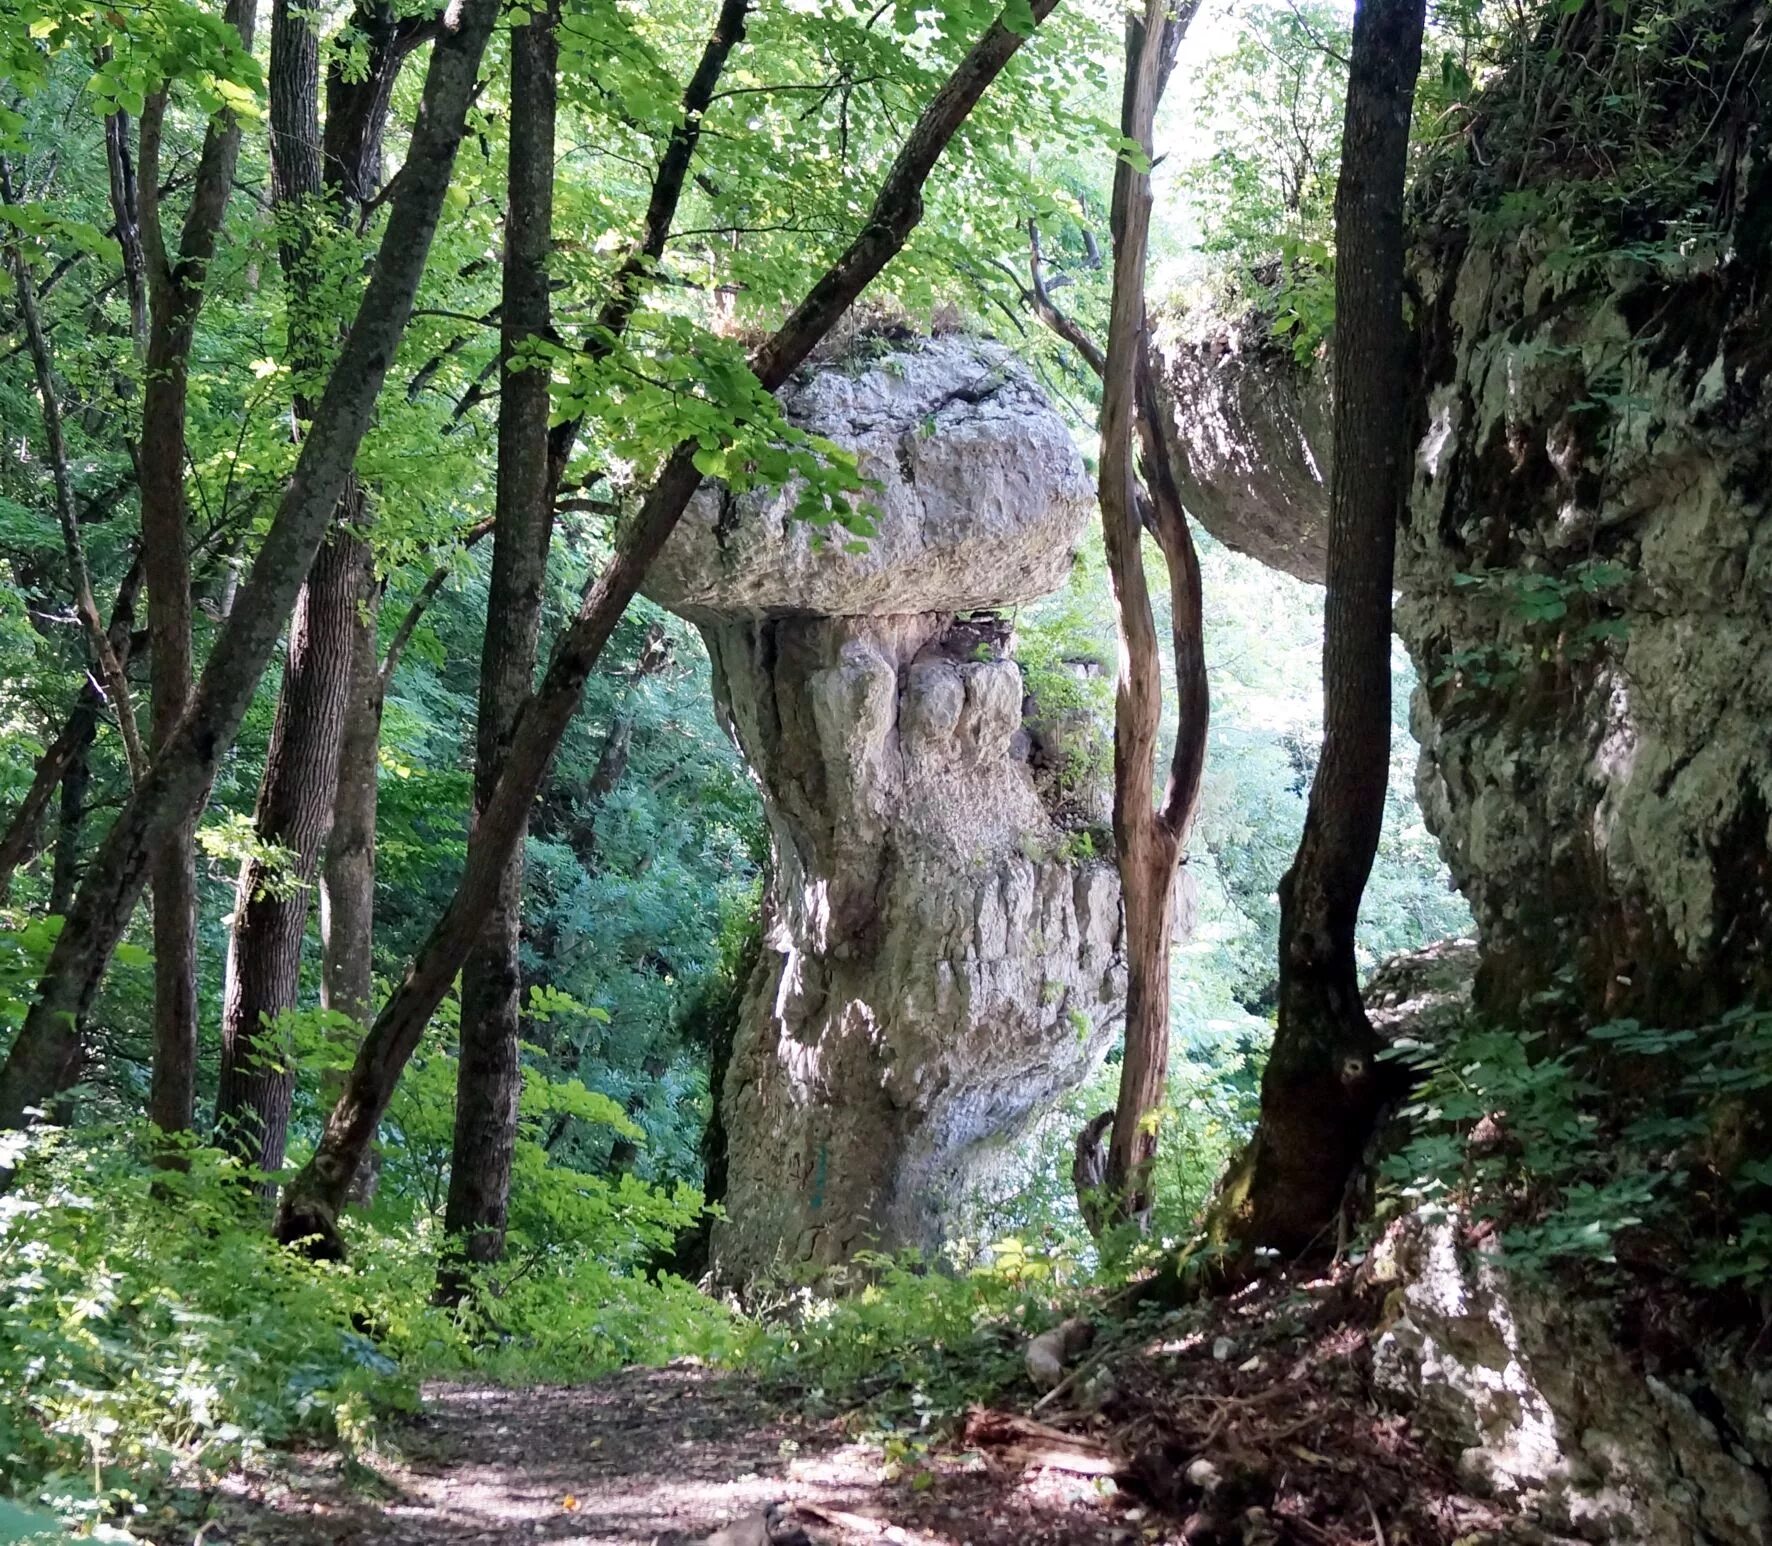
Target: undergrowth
(1628, 1146)
(153, 1334)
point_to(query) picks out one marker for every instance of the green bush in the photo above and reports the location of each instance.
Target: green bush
(1630, 1144)
(151, 1330)
(919, 1340)
(152, 1333)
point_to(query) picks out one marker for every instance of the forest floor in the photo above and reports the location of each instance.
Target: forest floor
(647, 1455)
(1250, 1421)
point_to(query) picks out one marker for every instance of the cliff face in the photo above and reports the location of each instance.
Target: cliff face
(939, 958)
(1584, 572)
(1586, 565)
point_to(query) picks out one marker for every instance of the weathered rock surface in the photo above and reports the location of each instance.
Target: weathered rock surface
(1586, 587)
(981, 498)
(935, 967)
(1541, 1407)
(1252, 449)
(1584, 574)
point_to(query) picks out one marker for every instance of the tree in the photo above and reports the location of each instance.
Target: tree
(312, 1201)
(489, 1076)
(319, 185)
(184, 764)
(176, 289)
(1139, 495)
(1321, 1090)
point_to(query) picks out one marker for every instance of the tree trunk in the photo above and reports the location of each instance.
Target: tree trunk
(489, 1077)
(294, 815)
(347, 874)
(179, 778)
(175, 297)
(1149, 841)
(65, 873)
(347, 885)
(312, 1201)
(315, 192)
(1320, 1092)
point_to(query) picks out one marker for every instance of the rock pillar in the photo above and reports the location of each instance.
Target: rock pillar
(941, 958)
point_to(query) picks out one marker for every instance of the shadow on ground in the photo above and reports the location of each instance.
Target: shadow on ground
(646, 1456)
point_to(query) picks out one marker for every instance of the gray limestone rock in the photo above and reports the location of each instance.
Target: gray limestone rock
(940, 960)
(1585, 579)
(980, 501)
(1252, 443)
(1533, 1396)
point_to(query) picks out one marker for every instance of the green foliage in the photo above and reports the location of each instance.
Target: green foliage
(154, 1332)
(923, 1339)
(1065, 649)
(1628, 1145)
(1559, 618)
(1264, 111)
(1207, 1116)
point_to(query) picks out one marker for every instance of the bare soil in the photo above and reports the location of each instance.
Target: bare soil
(1250, 1421)
(648, 1455)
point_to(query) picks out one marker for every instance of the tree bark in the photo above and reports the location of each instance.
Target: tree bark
(125, 211)
(65, 871)
(1320, 1091)
(489, 1076)
(314, 188)
(311, 1202)
(1137, 493)
(179, 778)
(271, 901)
(347, 873)
(176, 287)
(347, 883)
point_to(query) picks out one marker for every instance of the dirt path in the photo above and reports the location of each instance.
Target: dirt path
(647, 1456)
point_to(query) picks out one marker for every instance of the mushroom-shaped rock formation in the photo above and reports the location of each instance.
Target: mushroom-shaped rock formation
(936, 965)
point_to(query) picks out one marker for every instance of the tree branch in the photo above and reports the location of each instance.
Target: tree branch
(110, 669)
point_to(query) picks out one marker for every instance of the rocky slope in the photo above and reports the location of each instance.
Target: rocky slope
(1586, 567)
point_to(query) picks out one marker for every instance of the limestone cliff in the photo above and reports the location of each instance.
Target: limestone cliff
(1586, 566)
(1584, 572)
(936, 965)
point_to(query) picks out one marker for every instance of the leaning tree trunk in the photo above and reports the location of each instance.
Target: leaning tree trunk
(311, 1203)
(489, 1076)
(1320, 1092)
(175, 297)
(178, 779)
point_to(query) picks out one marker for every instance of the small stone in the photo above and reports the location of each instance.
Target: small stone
(1052, 1352)
(1203, 1474)
(1222, 1349)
